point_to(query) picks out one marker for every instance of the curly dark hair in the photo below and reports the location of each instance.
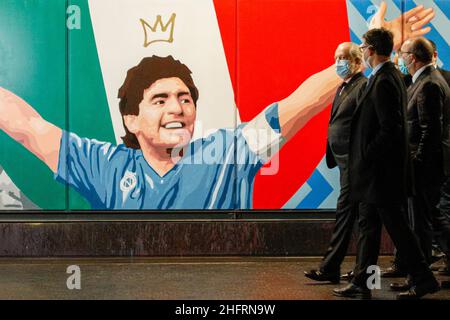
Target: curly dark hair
(140, 78)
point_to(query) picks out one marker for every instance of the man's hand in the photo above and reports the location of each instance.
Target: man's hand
(408, 25)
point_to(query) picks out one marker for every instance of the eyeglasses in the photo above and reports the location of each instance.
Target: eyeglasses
(361, 47)
(400, 52)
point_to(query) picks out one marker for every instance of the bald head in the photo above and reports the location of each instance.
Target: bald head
(348, 51)
(421, 48)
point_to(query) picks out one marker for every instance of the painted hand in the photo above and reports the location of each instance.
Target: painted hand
(408, 25)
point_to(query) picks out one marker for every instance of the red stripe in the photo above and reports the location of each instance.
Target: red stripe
(279, 45)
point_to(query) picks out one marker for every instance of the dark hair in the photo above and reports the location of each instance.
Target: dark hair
(140, 78)
(422, 50)
(432, 44)
(381, 41)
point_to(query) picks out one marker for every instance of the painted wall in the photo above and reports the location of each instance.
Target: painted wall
(68, 61)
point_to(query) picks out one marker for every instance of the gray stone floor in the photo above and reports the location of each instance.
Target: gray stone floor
(234, 278)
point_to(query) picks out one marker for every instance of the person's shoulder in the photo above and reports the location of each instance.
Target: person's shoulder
(445, 73)
(360, 81)
(359, 78)
(102, 148)
(389, 75)
(218, 133)
(439, 77)
(215, 138)
(434, 83)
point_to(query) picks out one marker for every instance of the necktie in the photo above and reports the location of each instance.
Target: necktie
(341, 88)
(371, 77)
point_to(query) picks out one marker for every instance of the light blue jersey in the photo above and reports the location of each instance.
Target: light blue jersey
(215, 172)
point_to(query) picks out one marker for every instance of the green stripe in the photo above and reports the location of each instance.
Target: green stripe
(32, 55)
(88, 107)
(33, 65)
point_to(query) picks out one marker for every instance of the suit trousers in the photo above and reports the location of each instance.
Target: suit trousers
(371, 219)
(346, 214)
(444, 203)
(441, 219)
(423, 209)
(427, 213)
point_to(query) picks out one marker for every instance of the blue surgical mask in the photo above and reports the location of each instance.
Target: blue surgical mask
(402, 66)
(343, 68)
(367, 63)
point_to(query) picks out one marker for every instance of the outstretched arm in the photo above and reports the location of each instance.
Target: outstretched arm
(318, 91)
(313, 96)
(22, 123)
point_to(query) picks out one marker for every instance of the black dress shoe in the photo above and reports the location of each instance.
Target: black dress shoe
(419, 290)
(444, 270)
(445, 284)
(436, 255)
(400, 287)
(353, 291)
(436, 258)
(394, 272)
(348, 276)
(318, 275)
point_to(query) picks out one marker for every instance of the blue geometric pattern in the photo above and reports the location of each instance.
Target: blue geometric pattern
(320, 190)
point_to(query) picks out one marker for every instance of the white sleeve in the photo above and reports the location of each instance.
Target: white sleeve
(263, 133)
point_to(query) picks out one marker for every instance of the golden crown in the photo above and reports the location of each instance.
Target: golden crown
(159, 32)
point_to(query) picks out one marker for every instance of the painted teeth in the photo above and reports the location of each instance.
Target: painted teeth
(173, 125)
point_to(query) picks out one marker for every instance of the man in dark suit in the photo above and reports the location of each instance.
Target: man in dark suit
(445, 73)
(428, 98)
(348, 59)
(438, 220)
(444, 203)
(378, 166)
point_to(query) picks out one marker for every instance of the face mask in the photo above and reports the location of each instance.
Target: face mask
(343, 68)
(402, 66)
(367, 63)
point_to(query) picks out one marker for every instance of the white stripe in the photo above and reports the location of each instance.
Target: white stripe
(298, 197)
(332, 177)
(392, 11)
(119, 37)
(261, 138)
(440, 21)
(356, 20)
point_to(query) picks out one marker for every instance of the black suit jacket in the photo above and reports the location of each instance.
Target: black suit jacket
(408, 79)
(378, 157)
(340, 119)
(446, 124)
(445, 74)
(428, 98)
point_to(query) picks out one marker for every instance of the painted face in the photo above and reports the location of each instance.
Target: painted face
(166, 115)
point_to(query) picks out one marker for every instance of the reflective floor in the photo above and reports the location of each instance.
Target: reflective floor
(174, 278)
